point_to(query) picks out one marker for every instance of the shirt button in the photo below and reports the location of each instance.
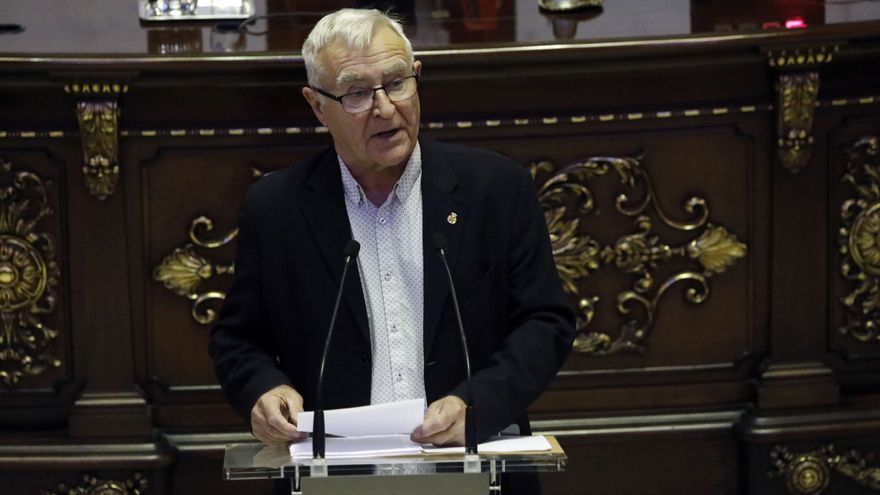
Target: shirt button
(387, 276)
(382, 220)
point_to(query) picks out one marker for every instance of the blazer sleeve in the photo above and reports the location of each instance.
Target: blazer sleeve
(540, 322)
(241, 341)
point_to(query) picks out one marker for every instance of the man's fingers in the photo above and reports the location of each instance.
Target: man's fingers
(267, 435)
(281, 424)
(436, 420)
(294, 406)
(443, 424)
(271, 416)
(449, 436)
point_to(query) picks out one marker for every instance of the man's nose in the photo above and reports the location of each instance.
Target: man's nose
(383, 104)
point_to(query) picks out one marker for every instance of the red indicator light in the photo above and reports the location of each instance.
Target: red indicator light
(795, 23)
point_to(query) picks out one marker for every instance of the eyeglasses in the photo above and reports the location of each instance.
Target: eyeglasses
(359, 100)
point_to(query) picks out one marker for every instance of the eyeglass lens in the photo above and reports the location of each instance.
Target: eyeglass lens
(397, 90)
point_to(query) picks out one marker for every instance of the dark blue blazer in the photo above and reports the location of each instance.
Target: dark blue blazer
(292, 232)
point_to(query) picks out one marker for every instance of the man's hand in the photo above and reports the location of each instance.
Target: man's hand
(444, 423)
(273, 417)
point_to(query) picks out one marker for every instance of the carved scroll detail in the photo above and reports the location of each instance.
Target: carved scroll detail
(28, 277)
(565, 194)
(185, 272)
(809, 473)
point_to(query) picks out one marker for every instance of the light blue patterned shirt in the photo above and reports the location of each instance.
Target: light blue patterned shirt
(391, 267)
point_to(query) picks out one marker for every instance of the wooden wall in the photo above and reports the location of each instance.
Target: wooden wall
(713, 206)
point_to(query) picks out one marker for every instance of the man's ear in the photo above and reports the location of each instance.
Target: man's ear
(417, 65)
(314, 100)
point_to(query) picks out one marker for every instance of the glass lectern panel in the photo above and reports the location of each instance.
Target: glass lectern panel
(255, 461)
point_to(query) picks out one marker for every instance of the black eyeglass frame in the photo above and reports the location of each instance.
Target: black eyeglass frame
(377, 88)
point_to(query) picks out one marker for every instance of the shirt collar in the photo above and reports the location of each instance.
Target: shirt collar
(354, 194)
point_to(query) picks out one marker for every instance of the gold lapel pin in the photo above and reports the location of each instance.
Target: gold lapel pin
(452, 218)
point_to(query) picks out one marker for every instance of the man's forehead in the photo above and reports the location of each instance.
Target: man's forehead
(390, 67)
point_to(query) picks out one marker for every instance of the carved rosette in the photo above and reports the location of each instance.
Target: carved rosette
(859, 241)
(90, 485)
(97, 112)
(809, 473)
(28, 277)
(565, 195)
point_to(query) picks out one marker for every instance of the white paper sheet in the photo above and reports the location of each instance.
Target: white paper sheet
(393, 418)
(536, 443)
(355, 447)
(394, 445)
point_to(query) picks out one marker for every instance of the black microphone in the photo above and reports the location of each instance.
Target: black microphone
(470, 422)
(318, 434)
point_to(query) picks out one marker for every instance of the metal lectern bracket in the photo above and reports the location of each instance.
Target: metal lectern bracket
(472, 463)
(318, 468)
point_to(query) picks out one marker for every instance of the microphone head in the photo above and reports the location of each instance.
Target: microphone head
(439, 241)
(352, 249)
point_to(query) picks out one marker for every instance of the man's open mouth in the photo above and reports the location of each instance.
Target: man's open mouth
(386, 134)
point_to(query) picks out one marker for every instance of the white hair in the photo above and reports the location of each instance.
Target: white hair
(354, 28)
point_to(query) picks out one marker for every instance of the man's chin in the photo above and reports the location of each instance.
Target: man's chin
(393, 156)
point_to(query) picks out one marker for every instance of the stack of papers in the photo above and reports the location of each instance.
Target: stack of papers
(383, 430)
(393, 418)
(400, 445)
(359, 447)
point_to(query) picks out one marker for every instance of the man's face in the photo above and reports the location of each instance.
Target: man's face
(383, 136)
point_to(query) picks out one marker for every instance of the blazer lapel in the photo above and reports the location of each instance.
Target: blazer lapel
(324, 210)
(443, 211)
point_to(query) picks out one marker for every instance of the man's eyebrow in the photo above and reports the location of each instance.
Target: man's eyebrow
(348, 77)
(399, 67)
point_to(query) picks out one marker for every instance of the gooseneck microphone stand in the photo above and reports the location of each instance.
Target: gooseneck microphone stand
(470, 422)
(319, 461)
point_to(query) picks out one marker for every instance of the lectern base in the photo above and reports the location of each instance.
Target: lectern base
(422, 484)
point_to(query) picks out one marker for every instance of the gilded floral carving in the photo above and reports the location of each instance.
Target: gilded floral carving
(716, 249)
(28, 277)
(97, 111)
(99, 128)
(796, 99)
(809, 473)
(90, 485)
(567, 195)
(859, 242)
(184, 271)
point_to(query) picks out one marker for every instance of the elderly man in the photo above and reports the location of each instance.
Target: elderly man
(396, 336)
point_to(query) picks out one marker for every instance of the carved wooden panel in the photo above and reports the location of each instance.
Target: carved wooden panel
(34, 336)
(854, 334)
(191, 200)
(665, 173)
